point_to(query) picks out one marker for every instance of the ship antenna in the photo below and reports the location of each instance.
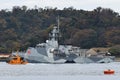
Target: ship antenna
(58, 23)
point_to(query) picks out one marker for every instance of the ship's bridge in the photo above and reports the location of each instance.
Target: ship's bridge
(40, 45)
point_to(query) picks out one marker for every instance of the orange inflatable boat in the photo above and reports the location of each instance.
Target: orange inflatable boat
(109, 71)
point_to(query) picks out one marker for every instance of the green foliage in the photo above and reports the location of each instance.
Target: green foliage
(23, 27)
(85, 38)
(115, 51)
(112, 37)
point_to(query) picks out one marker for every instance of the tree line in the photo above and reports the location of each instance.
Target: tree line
(23, 27)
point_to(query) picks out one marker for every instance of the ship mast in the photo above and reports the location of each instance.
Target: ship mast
(58, 25)
(58, 21)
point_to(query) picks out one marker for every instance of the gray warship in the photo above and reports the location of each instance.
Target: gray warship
(52, 52)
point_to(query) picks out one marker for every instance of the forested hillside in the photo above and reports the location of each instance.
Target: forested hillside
(23, 27)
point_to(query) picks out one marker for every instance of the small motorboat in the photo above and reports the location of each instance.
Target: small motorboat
(16, 59)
